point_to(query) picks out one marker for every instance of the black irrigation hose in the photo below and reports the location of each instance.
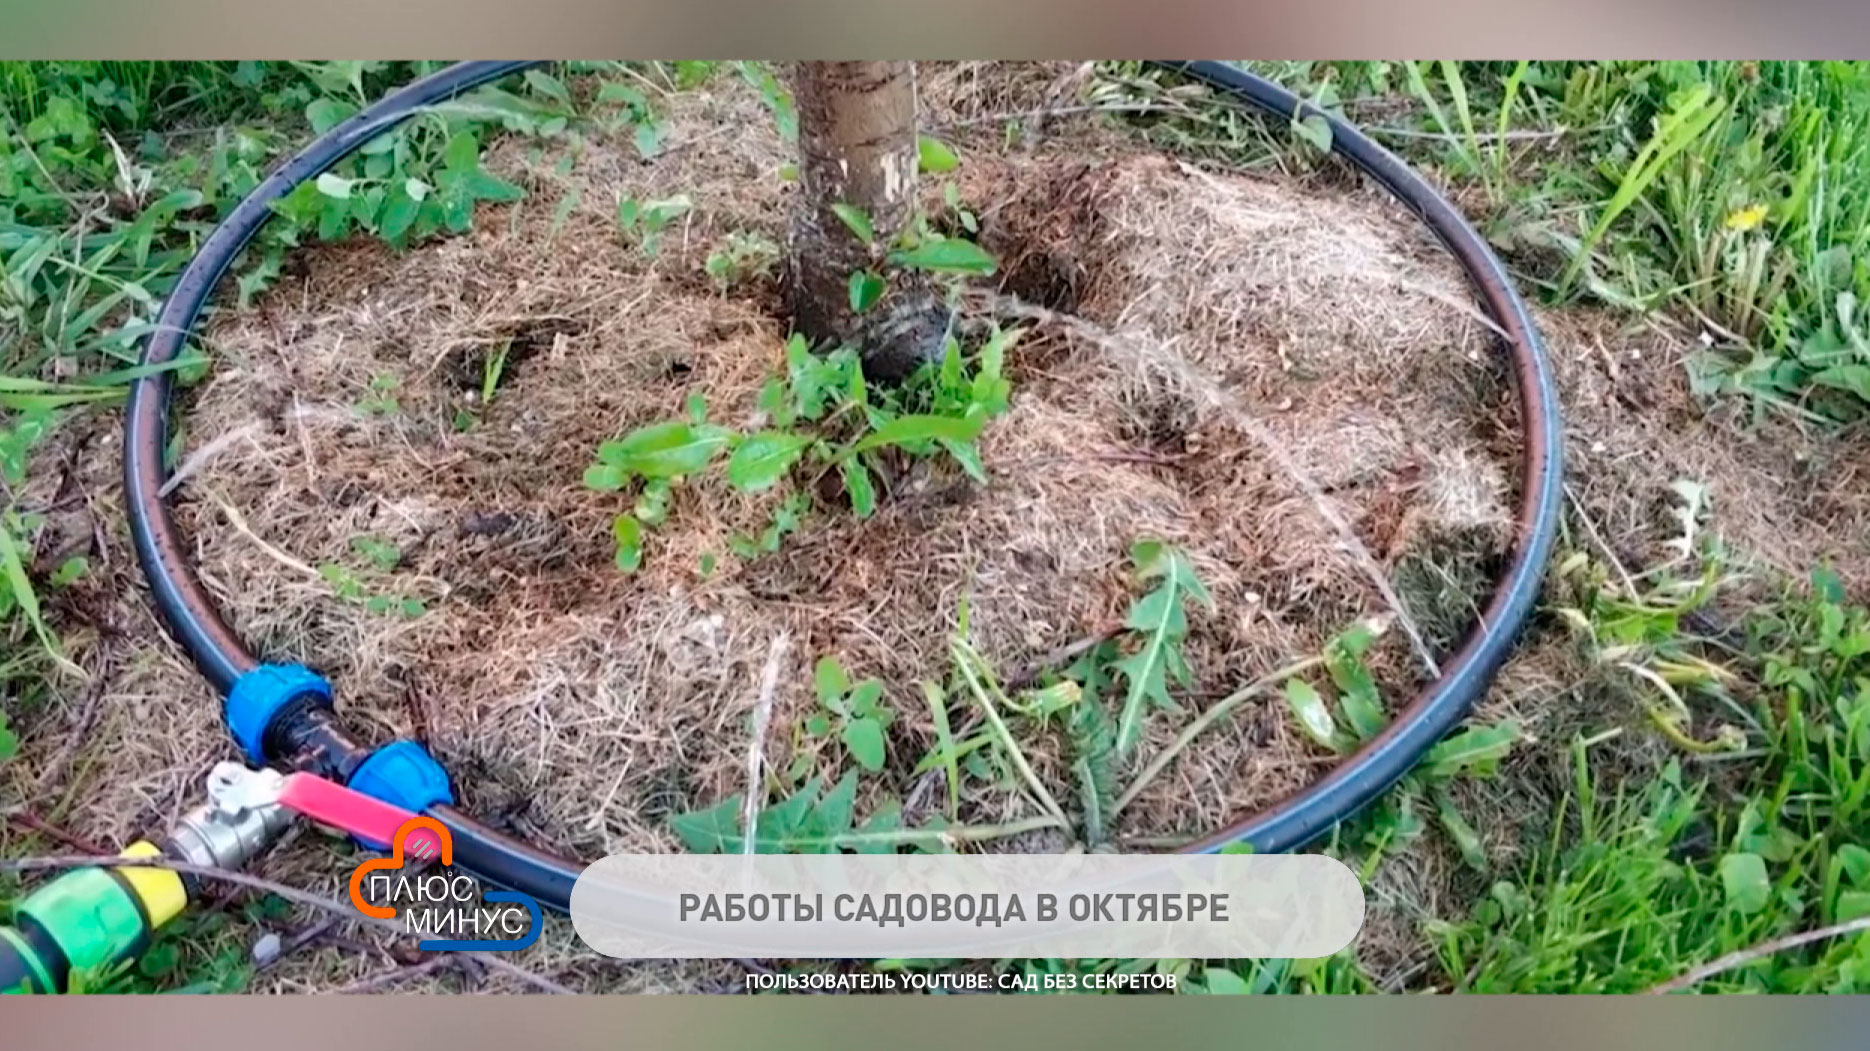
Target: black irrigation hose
(183, 604)
(1299, 820)
(1441, 706)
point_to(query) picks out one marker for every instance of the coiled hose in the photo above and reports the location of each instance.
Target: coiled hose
(1293, 823)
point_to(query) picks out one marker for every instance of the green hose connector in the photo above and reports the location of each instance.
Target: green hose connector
(30, 961)
(95, 918)
(86, 920)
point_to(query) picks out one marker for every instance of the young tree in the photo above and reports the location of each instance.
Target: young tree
(857, 167)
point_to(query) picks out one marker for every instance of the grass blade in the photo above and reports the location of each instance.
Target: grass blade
(13, 567)
(1457, 90)
(1215, 713)
(979, 681)
(944, 745)
(1501, 126)
(1693, 113)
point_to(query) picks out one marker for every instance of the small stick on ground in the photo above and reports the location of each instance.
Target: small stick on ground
(240, 526)
(300, 941)
(1156, 842)
(1029, 674)
(200, 457)
(291, 894)
(400, 974)
(1467, 310)
(1759, 952)
(26, 819)
(1577, 507)
(1120, 456)
(305, 439)
(756, 749)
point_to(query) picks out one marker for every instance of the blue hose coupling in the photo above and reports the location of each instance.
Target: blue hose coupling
(404, 774)
(261, 694)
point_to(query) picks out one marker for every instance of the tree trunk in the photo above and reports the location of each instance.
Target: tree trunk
(857, 147)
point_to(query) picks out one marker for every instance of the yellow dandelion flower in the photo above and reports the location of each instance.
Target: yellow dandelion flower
(1748, 218)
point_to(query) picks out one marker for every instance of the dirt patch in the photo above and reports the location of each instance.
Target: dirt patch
(1176, 317)
(1783, 497)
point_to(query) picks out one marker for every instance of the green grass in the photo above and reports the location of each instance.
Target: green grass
(1735, 196)
(110, 176)
(1732, 195)
(1642, 873)
(1643, 878)
(112, 173)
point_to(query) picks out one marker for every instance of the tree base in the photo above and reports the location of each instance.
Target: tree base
(906, 332)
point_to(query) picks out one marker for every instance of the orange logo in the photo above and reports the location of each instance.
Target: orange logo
(423, 848)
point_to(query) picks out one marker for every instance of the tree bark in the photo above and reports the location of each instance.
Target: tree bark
(857, 147)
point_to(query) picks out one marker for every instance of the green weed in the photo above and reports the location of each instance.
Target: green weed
(1160, 623)
(381, 401)
(742, 257)
(351, 586)
(822, 413)
(858, 711)
(643, 222)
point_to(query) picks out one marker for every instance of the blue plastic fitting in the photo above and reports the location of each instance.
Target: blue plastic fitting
(259, 695)
(404, 774)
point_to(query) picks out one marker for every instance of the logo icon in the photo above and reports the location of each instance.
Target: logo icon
(438, 903)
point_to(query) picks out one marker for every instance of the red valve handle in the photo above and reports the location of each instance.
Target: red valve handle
(366, 817)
